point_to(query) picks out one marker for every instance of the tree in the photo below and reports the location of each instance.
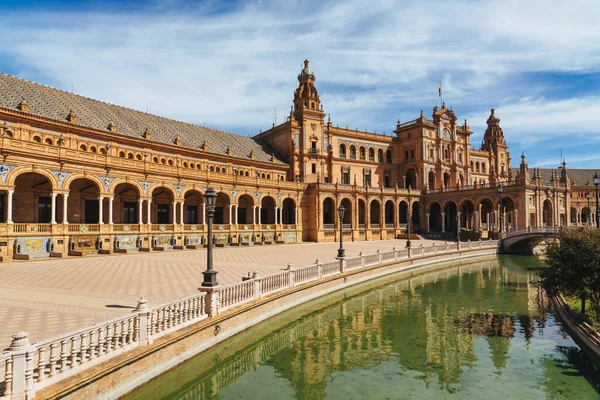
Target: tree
(573, 267)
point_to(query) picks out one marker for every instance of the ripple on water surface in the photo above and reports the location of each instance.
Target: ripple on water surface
(475, 331)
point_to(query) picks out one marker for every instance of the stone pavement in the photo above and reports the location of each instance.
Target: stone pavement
(50, 297)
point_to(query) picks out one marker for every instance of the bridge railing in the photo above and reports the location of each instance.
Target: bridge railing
(31, 367)
(536, 230)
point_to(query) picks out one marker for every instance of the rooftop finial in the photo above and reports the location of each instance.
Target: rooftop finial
(306, 63)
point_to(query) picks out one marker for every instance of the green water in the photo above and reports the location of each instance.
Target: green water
(474, 331)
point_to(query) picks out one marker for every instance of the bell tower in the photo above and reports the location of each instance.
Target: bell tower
(495, 145)
(306, 96)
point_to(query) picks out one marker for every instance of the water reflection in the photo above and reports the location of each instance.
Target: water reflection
(468, 331)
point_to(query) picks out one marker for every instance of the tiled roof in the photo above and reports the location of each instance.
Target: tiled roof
(56, 104)
(579, 177)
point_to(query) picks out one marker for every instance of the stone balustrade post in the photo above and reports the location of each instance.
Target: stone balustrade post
(19, 373)
(319, 268)
(143, 322)
(211, 300)
(447, 247)
(343, 265)
(395, 253)
(423, 249)
(257, 285)
(480, 243)
(434, 248)
(458, 245)
(292, 275)
(379, 257)
(468, 243)
(409, 252)
(362, 259)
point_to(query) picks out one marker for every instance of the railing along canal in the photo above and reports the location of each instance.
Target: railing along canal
(31, 367)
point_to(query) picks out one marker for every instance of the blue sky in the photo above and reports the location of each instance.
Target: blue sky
(229, 65)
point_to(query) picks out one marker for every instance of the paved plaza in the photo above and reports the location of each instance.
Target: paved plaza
(50, 297)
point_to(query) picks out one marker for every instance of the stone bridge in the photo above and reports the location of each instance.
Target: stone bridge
(526, 239)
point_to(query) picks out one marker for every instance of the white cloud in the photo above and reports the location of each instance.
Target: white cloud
(377, 59)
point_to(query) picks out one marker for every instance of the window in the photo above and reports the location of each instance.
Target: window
(191, 213)
(408, 135)
(345, 178)
(44, 209)
(412, 154)
(388, 157)
(406, 155)
(162, 213)
(483, 167)
(353, 152)
(314, 168)
(362, 153)
(2, 207)
(380, 155)
(367, 179)
(371, 155)
(342, 151)
(130, 212)
(431, 154)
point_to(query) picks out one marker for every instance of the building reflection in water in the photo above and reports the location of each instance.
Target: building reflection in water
(429, 324)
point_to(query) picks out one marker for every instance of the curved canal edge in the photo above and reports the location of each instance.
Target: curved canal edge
(581, 332)
(123, 373)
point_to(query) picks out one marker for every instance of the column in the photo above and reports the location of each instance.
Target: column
(443, 222)
(174, 213)
(515, 226)
(140, 215)
(230, 208)
(9, 207)
(476, 221)
(259, 216)
(276, 215)
(65, 198)
(254, 215)
(496, 221)
(203, 213)
(100, 204)
(235, 214)
(110, 210)
(181, 221)
(428, 224)
(458, 222)
(53, 209)
(296, 216)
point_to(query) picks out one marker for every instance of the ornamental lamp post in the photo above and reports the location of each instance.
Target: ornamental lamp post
(341, 251)
(588, 196)
(210, 275)
(408, 244)
(597, 183)
(457, 228)
(500, 190)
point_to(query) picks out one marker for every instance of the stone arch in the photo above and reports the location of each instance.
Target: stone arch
(450, 213)
(352, 152)
(547, 212)
(167, 186)
(362, 212)
(431, 179)
(132, 182)
(222, 204)
(193, 199)
(342, 150)
(34, 190)
(447, 179)
(371, 154)
(268, 204)
(411, 179)
(288, 211)
(162, 210)
(362, 152)
(467, 214)
(348, 205)
(328, 205)
(187, 189)
(415, 215)
(403, 212)
(380, 155)
(389, 212)
(12, 176)
(83, 200)
(487, 217)
(435, 217)
(375, 213)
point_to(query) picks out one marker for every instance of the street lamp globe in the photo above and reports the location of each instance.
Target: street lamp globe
(210, 197)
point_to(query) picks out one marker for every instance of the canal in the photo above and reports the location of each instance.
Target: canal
(477, 330)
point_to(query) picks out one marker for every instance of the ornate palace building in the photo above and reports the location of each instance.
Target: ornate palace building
(79, 176)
